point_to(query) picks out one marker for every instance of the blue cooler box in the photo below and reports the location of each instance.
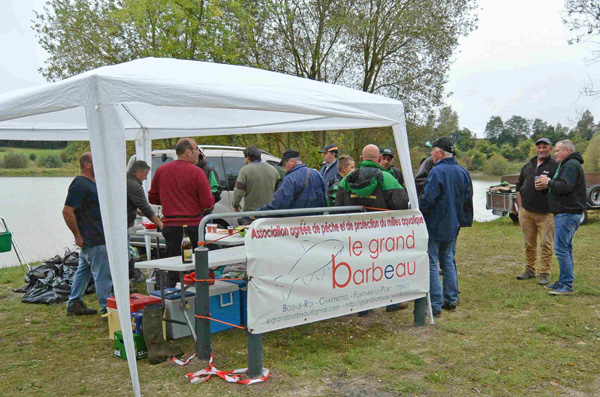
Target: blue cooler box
(224, 306)
(243, 285)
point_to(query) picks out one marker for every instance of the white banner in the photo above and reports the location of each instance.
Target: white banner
(312, 268)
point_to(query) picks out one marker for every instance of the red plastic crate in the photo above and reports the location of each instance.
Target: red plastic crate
(136, 302)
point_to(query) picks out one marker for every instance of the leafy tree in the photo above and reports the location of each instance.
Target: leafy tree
(497, 165)
(14, 160)
(464, 139)
(493, 129)
(582, 17)
(32, 156)
(50, 161)
(478, 160)
(518, 127)
(447, 122)
(585, 128)
(591, 156)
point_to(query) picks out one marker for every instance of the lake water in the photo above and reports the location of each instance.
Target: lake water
(33, 209)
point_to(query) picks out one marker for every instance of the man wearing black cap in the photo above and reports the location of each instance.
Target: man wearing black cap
(534, 213)
(330, 169)
(301, 187)
(447, 197)
(387, 156)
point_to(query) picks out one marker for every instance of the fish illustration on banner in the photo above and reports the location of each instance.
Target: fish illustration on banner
(313, 264)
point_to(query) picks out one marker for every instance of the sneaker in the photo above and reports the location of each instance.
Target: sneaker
(544, 279)
(562, 290)
(527, 274)
(78, 308)
(552, 286)
(396, 307)
(449, 306)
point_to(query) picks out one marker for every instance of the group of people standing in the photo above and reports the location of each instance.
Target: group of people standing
(188, 188)
(551, 198)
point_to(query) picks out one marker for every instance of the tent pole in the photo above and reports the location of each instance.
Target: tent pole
(255, 359)
(202, 305)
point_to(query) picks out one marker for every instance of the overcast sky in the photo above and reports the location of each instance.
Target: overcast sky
(517, 62)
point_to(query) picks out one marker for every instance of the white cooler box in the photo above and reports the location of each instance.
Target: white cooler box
(224, 306)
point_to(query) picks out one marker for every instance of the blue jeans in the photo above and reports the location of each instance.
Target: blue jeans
(565, 226)
(442, 252)
(93, 261)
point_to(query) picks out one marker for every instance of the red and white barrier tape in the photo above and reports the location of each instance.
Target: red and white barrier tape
(229, 376)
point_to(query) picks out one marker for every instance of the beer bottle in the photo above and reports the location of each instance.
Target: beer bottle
(186, 247)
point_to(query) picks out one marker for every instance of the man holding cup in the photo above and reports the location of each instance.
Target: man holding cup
(534, 214)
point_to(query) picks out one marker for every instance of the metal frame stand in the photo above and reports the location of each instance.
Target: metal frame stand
(15, 245)
(255, 359)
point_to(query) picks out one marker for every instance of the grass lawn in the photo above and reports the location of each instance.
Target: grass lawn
(507, 337)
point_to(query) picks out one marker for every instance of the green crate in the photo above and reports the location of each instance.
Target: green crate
(5, 241)
(141, 351)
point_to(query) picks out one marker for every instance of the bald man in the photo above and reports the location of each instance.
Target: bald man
(372, 186)
(184, 193)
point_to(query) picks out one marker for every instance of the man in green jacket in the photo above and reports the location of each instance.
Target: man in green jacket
(372, 186)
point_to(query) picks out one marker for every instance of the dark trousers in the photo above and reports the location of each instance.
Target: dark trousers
(173, 236)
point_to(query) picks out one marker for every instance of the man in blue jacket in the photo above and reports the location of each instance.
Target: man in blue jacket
(330, 157)
(301, 187)
(567, 201)
(445, 205)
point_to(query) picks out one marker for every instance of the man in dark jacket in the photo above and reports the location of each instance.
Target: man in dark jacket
(387, 156)
(422, 173)
(534, 215)
(301, 187)
(137, 202)
(371, 186)
(330, 157)
(345, 166)
(446, 196)
(567, 201)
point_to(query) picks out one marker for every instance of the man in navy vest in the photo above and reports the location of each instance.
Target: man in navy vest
(330, 169)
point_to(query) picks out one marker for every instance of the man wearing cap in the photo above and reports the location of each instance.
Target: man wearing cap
(184, 193)
(387, 156)
(330, 169)
(301, 187)
(567, 201)
(534, 213)
(445, 201)
(255, 183)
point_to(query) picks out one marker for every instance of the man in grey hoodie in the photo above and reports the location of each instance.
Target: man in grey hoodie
(137, 201)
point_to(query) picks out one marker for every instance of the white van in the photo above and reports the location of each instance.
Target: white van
(227, 161)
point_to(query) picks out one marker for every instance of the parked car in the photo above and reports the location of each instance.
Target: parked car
(502, 199)
(227, 161)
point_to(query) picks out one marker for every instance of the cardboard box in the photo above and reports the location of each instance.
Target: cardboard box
(141, 351)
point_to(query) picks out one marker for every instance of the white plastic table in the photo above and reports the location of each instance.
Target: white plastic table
(226, 240)
(148, 235)
(216, 258)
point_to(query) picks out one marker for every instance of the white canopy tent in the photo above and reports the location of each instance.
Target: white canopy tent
(162, 98)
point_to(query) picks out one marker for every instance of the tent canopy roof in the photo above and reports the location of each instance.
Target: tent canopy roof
(174, 98)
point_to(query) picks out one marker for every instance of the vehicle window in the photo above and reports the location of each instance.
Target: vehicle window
(217, 163)
(233, 165)
(157, 161)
